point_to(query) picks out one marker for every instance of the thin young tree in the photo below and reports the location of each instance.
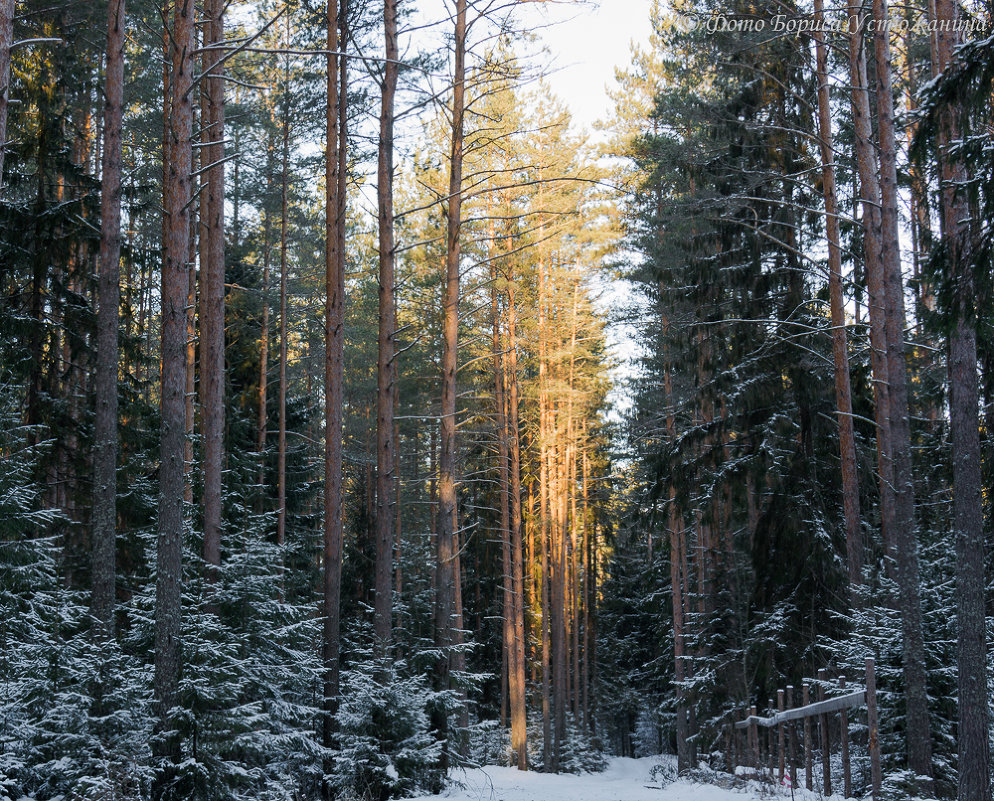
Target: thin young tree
(103, 569)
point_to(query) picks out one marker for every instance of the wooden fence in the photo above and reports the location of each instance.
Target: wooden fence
(781, 740)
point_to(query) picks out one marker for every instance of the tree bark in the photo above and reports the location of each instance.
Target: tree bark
(334, 373)
(262, 420)
(6, 41)
(869, 196)
(840, 349)
(284, 322)
(447, 500)
(176, 196)
(385, 444)
(974, 778)
(105, 422)
(678, 578)
(504, 484)
(517, 686)
(212, 322)
(905, 538)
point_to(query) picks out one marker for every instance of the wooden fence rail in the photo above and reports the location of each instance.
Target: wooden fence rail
(781, 735)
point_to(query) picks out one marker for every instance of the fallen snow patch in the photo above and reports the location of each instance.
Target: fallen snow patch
(624, 780)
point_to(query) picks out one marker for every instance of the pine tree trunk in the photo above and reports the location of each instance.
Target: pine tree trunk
(175, 284)
(385, 444)
(284, 322)
(334, 373)
(6, 41)
(517, 687)
(974, 778)
(840, 349)
(212, 322)
(678, 576)
(191, 360)
(869, 194)
(447, 512)
(504, 485)
(262, 419)
(905, 538)
(105, 437)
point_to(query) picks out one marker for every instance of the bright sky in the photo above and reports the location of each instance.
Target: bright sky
(587, 41)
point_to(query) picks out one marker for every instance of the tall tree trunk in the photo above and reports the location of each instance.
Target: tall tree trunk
(284, 334)
(869, 195)
(678, 578)
(105, 438)
(447, 500)
(6, 41)
(334, 373)
(504, 484)
(517, 668)
(262, 419)
(974, 778)
(385, 444)
(212, 323)
(191, 359)
(284, 321)
(544, 514)
(840, 349)
(905, 537)
(175, 284)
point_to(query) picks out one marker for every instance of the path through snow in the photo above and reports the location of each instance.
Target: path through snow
(624, 780)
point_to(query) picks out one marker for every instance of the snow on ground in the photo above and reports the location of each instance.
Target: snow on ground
(624, 780)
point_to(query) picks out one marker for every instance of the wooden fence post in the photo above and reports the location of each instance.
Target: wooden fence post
(846, 769)
(826, 764)
(729, 757)
(791, 739)
(781, 750)
(871, 721)
(754, 738)
(805, 700)
(770, 750)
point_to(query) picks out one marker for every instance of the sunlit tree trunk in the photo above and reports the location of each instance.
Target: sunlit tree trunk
(516, 687)
(447, 512)
(212, 277)
(504, 482)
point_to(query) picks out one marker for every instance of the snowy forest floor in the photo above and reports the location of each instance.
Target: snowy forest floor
(624, 780)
